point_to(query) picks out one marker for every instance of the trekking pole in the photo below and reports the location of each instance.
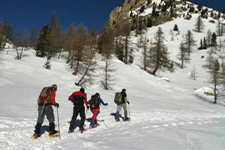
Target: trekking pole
(129, 109)
(43, 109)
(104, 123)
(58, 122)
(86, 112)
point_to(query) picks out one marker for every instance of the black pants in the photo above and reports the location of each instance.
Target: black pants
(76, 111)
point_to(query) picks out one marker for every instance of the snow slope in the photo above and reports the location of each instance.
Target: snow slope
(164, 115)
(166, 112)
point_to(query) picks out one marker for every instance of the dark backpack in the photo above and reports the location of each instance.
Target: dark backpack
(77, 100)
(118, 98)
(44, 96)
(94, 102)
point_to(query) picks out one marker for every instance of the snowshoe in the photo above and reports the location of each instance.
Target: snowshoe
(53, 134)
(35, 136)
(91, 127)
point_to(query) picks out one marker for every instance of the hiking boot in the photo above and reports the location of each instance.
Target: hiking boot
(126, 119)
(81, 129)
(117, 120)
(53, 132)
(70, 131)
(36, 135)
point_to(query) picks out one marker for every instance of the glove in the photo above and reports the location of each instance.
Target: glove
(128, 102)
(106, 104)
(56, 105)
(87, 107)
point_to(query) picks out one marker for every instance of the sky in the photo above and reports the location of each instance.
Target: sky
(26, 14)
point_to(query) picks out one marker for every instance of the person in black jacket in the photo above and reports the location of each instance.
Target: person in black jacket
(124, 105)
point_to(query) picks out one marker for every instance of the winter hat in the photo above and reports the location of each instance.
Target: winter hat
(54, 86)
(123, 90)
(82, 90)
(97, 94)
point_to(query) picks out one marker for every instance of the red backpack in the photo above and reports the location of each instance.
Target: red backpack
(44, 96)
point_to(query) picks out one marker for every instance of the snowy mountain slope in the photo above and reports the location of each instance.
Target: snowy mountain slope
(164, 115)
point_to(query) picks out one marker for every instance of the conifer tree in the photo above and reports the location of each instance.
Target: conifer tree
(126, 33)
(33, 36)
(70, 44)
(216, 78)
(106, 47)
(199, 26)
(175, 27)
(55, 35)
(189, 41)
(213, 39)
(82, 41)
(208, 37)
(20, 41)
(88, 63)
(2, 37)
(219, 28)
(43, 42)
(145, 53)
(183, 55)
(159, 55)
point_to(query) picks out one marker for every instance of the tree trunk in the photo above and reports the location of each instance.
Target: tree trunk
(215, 94)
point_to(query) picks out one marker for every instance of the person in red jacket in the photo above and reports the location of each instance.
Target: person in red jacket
(78, 98)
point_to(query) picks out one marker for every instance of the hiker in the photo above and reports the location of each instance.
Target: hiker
(124, 105)
(78, 98)
(95, 108)
(45, 101)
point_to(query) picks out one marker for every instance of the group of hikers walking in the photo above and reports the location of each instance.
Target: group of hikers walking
(79, 99)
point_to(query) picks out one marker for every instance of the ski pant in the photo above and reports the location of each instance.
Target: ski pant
(42, 111)
(95, 113)
(94, 117)
(77, 110)
(119, 107)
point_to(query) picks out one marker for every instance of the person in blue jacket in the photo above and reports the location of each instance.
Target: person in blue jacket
(95, 108)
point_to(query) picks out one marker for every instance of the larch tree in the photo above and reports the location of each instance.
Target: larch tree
(199, 26)
(216, 78)
(214, 40)
(126, 33)
(2, 37)
(33, 36)
(189, 41)
(118, 43)
(145, 53)
(159, 54)
(81, 42)
(219, 27)
(183, 55)
(89, 53)
(106, 47)
(208, 37)
(55, 35)
(70, 44)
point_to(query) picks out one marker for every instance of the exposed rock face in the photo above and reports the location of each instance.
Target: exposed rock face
(122, 12)
(154, 11)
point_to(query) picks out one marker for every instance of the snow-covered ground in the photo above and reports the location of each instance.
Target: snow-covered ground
(164, 115)
(167, 113)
